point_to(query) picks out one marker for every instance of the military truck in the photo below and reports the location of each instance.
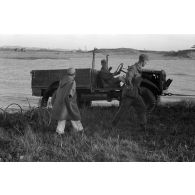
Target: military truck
(89, 88)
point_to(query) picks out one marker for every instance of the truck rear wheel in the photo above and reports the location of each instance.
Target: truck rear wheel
(80, 103)
(49, 93)
(149, 98)
(84, 103)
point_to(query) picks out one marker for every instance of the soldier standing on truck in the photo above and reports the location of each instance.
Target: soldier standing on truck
(107, 78)
(131, 93)
(65, 103)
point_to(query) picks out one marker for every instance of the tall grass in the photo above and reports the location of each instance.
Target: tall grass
(170, 136)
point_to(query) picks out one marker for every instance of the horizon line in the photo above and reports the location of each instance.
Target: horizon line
(85, 50)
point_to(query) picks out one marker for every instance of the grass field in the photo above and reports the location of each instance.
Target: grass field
(170, 136)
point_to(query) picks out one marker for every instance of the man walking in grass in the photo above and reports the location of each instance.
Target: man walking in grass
(131, 93)
(65, 103)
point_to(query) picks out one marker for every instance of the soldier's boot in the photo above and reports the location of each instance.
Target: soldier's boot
(60, 127)
(77, 126)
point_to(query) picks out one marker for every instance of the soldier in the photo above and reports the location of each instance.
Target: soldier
(65, 103)
(107, 78)
(130, 93)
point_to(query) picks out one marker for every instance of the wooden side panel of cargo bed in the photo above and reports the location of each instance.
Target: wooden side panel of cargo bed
(43, 78)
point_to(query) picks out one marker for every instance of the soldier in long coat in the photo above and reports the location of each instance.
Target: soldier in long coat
(131, 95)
(65, 103)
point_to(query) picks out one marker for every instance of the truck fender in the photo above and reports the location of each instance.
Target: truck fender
(148, 84)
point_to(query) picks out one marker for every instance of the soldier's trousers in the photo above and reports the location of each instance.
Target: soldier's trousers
(126, 103)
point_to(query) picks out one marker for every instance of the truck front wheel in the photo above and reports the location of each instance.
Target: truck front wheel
(149, 98)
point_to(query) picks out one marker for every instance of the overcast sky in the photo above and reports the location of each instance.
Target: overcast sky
(88, 42)
(74, 24)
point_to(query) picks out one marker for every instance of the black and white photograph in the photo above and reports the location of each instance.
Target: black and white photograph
(97, 98)
(97, 83)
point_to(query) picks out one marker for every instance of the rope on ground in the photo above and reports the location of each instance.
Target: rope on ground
(16, 105)
(28, 103)
(4, 113)
(43, 113)
(177, 94)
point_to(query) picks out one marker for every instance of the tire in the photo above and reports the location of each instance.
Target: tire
(49, 93)
(84, 103)
(81, 102)
(149, 98)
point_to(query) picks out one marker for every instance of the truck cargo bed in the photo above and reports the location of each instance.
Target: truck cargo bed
(42, 79)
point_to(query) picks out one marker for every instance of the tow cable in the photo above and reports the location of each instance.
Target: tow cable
(176, 94)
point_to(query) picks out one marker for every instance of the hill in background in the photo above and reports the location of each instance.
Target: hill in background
(18, 52)
(190, 53)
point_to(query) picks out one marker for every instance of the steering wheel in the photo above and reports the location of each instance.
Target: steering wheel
(119, 68)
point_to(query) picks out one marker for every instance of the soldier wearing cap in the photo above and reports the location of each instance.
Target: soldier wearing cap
(65, 104)
(130, 93)
(107, 78)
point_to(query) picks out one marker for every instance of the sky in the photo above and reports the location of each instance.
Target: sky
(159, 42)
(76, 24)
